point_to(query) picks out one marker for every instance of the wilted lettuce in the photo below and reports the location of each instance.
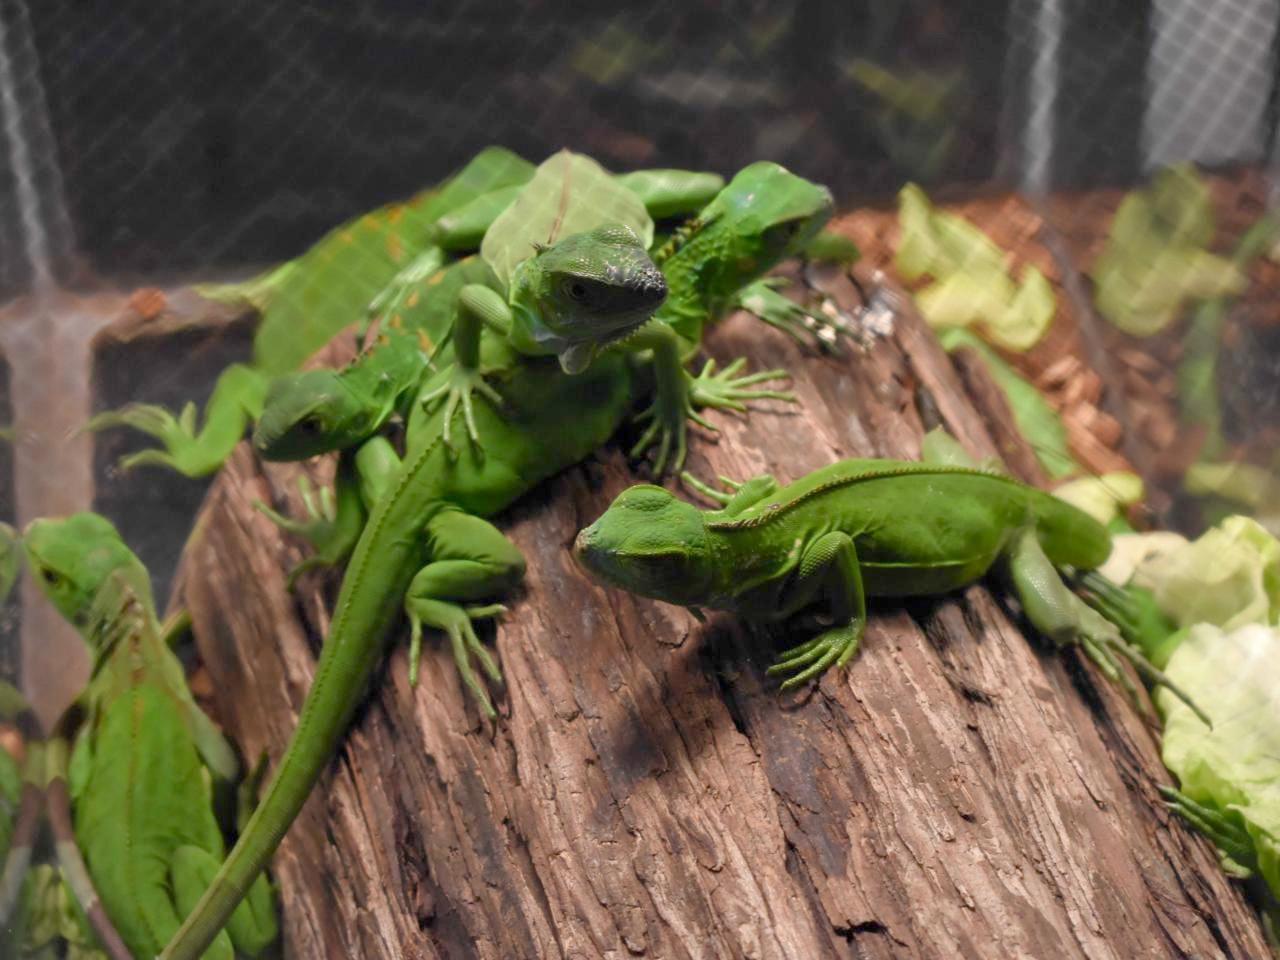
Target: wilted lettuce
(971, 282)
(1233, 769)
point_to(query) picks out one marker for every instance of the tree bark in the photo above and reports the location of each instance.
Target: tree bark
(959, 791)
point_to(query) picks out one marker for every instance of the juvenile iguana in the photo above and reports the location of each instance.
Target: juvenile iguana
(380, 258)
(849, 531)
(140, 772)
(765, 214)
(426, 548)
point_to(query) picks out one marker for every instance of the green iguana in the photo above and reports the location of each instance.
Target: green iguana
(426, 549)
(853, 530)
(373, 262)
(145, 757)
(763, 215)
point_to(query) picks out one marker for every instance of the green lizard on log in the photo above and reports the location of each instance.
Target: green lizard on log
(764, 215)
(146, 759)
(426, 548)
(854, 530)
(375, 261)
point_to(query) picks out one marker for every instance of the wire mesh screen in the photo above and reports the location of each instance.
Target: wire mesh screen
(147, 146)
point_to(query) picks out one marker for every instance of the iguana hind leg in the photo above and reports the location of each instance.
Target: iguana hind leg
(470, 560)
(1065, 619)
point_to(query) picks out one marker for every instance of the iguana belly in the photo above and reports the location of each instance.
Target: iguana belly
(550, 421)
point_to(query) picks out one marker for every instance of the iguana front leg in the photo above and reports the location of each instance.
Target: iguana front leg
(830, 566)
(236, 401)
(478, 307)
(678, 394)
(470, 560)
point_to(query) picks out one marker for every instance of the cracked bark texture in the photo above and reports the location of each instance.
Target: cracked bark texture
(959, 791)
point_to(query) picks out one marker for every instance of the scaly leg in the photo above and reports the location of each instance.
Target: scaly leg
(679, 394)
(335, 517)
(236, 401)
(829, 565)
(1065, 619)
(470, 560)
(478, 307)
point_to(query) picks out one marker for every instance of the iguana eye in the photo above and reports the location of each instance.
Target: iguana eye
(312, 425)
(50, 577)
(576, 290)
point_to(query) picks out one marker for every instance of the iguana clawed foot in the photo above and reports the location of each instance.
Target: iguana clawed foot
(832, 648)
(331, 539)
(761, 299)
(181, 451)
(455, 620)
(666, 416)
(462, 382)
(1235, 847)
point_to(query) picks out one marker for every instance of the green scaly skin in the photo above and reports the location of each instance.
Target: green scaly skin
(762, 216)
(140, 773)
(849, 531)
(454, 218)
(426, 547)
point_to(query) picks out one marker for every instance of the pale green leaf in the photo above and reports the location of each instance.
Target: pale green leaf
(569, 193)
(1233, 768)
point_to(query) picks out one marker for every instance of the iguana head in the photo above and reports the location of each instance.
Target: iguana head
(71, 558)
(309, 413)
(765, 214)
(650, 543)
(583, 293)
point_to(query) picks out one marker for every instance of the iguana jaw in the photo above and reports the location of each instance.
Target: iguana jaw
(586, 292)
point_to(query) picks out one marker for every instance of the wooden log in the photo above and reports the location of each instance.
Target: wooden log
(959, 791)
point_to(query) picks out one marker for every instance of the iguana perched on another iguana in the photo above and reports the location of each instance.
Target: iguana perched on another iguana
(426, 547)
(763, 215)
(853, 530)
(140, 771)
(380, 257)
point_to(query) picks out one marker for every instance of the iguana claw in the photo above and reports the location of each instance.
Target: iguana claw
(320, 528)
(178, 435)
(723, 390)
(832, 648)
(455, 621)
(457, 391)
(667, 424)
(795, 320)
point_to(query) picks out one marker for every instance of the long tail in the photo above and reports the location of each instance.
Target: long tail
(74, 871)
(363, 615)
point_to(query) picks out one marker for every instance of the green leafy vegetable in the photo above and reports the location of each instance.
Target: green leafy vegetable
(1038, 422)
(1230, 774)
(1102, 497)
(971, 284)
(1155, 259)
(1228, 577)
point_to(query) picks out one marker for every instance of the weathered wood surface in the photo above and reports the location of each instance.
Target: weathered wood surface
(958, 792)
